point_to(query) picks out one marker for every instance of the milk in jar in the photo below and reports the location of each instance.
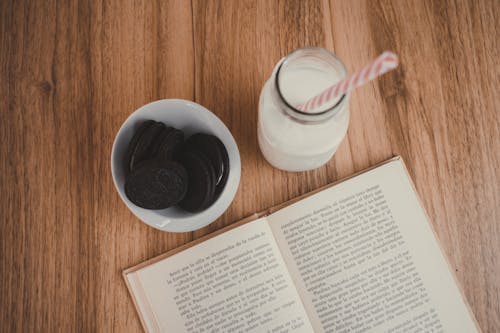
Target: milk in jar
(289, 138)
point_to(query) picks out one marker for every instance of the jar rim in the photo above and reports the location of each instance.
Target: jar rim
(315, 115)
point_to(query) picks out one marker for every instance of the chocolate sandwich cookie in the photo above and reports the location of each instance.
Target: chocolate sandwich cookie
(225, 165)
(133, 142)
(143, 149)
(202, 180)
(156, 144)
(169, 144)
(215, 150)
(157, 184)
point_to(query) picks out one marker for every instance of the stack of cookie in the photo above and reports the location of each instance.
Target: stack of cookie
(164, 170)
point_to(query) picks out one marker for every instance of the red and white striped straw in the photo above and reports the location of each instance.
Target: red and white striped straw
(385, 62)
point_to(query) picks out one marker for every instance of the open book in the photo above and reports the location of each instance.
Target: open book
(357, 256)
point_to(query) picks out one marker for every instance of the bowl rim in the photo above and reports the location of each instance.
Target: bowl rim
(225, 198)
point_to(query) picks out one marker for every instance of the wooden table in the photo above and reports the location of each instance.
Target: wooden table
(72, 71)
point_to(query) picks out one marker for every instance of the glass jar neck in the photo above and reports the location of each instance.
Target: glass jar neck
(315, 58)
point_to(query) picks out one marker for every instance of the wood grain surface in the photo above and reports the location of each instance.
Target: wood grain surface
(72, 71)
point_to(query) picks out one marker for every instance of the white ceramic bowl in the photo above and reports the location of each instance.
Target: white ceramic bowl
(190, 118)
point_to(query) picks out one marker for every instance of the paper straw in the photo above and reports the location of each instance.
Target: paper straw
(385, 62)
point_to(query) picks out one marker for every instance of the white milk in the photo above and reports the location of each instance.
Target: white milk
(292, 141)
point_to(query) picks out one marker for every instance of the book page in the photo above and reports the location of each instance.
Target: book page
(365, 259)
(234, 282)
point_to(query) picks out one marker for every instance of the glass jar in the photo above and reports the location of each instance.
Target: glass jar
(291, 139)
